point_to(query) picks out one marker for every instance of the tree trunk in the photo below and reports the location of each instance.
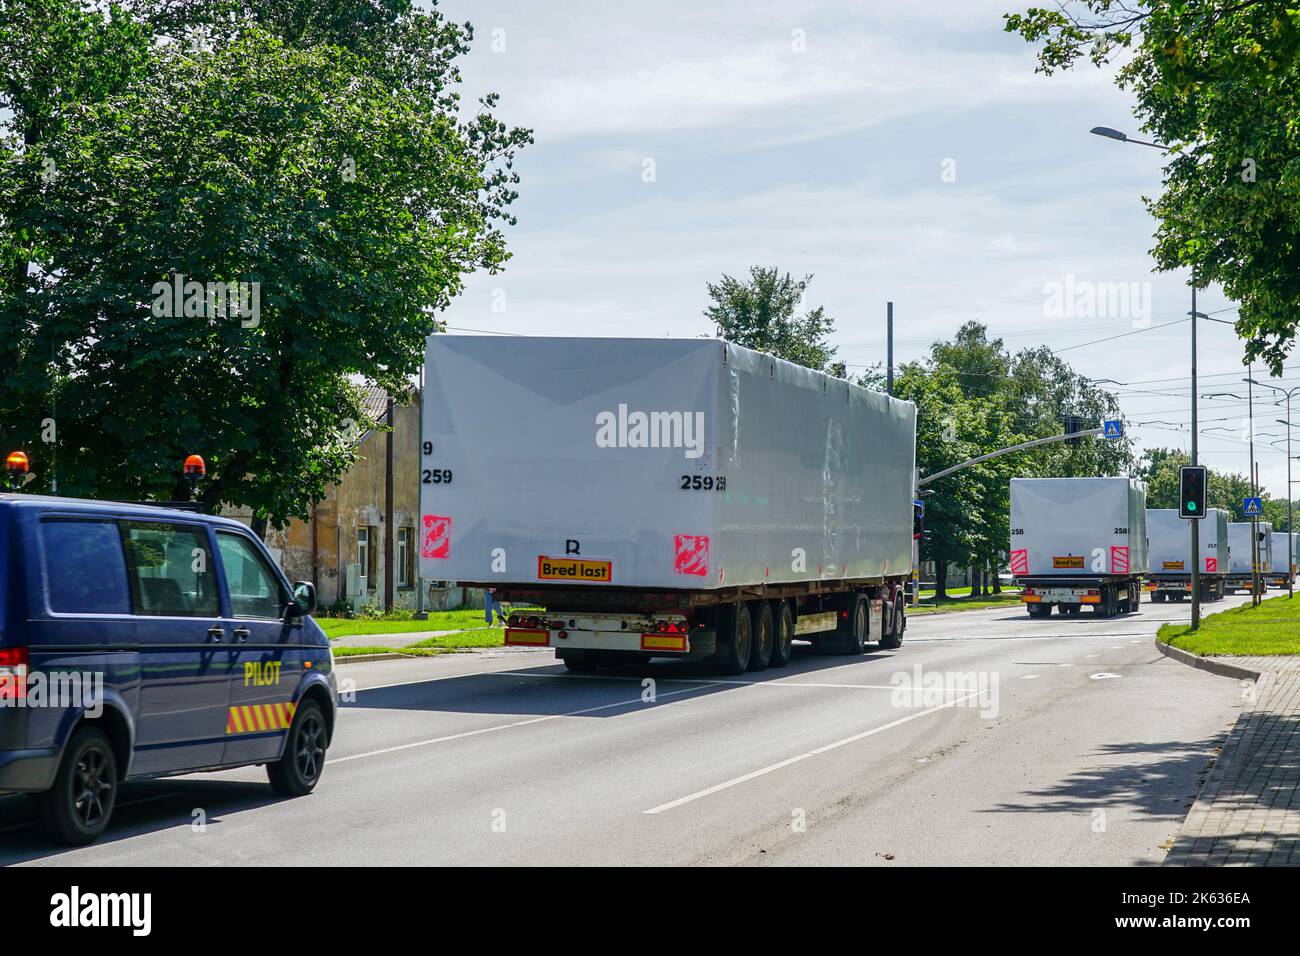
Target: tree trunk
(940, 580)
(995, 581)
(258, 524)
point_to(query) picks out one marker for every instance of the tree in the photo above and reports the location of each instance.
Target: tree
(973, 397)
(761, 314)
(336, 186)
(1225, 490)
(1219, 82)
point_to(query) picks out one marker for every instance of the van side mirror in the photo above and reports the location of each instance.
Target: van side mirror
(304, 599)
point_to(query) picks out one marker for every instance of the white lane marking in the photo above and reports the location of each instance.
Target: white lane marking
(1029, 677)
(771, 768)
(1101, 676)
(516, 723)
(791, 682)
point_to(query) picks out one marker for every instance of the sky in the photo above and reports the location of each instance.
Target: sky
(901, 152)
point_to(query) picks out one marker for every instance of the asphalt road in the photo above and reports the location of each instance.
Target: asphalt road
(1064, 741)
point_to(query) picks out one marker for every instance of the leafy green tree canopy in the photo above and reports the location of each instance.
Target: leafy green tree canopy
(763, 314)
(1218, 81)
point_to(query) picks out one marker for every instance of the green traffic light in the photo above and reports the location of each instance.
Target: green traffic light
(1191, 506)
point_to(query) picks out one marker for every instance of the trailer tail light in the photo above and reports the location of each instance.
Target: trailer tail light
(1027, 591)
(669, 627)
(661, 641)
(13, 673)
(527, 637)
(1094, 593)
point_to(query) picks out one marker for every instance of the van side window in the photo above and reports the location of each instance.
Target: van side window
(255, 590)
(170, 569)
(84, 568)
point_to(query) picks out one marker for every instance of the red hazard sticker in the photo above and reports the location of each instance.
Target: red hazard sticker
(437, 537)
(1119, 560)
(1020, 561)
(1212, 564)
(692, 554)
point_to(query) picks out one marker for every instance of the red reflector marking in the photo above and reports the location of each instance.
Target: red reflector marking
(527, 637)
(663, 642)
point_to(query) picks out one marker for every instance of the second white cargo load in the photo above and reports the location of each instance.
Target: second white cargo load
(1281, 556)
(1078, 527)
(1170, 541)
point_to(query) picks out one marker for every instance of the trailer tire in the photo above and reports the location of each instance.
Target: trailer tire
(782, 634)
(892, 637)
(737, 633)
(760, 652)
(1038, 610)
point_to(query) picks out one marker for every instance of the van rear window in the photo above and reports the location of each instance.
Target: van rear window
(85, 572)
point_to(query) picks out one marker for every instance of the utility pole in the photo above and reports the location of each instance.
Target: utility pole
(389, 570)
(889, 348)
(1254, 492)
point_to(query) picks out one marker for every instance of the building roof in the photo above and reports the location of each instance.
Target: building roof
(374, 401)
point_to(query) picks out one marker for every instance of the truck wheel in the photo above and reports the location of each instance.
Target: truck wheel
(760, 651)
(892, 638)
(856, 639)
(76, 810)
(298, 771)
(1038, 610)
(733, 656)
(782, 634)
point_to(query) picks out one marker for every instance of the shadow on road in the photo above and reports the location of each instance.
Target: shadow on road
(146, 806)
(533, 691)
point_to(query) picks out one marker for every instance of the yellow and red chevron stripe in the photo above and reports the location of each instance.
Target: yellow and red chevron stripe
(259, 718)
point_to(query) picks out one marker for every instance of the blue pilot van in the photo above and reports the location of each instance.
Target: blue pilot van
(139, 641)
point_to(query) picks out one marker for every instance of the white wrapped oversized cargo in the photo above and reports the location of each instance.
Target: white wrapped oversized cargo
(1170, 542)
(1280, 556)
(1078, 527)
(1239, 543)
(656, 463)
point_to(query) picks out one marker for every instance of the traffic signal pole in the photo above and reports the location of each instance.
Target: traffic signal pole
(1196, 525)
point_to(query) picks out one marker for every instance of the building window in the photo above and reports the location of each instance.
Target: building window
(364, 554)
(404, 537)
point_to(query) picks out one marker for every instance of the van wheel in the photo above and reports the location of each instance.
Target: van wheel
(760, 654)
(733, 657)
(76, 810)
(297, 772)
(782, 635)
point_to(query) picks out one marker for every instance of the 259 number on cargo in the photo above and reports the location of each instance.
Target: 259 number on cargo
(703, 483)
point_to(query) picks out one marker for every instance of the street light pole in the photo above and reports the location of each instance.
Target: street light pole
(1290, 540)
(1115, 134)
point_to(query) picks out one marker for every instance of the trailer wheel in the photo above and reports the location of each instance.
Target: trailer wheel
(760, 653)
(782, 634)
(737, 629)
(892, 636)
(1038, 610)
(1157, 597)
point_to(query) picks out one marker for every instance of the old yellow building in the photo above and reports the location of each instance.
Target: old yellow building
(340, 548)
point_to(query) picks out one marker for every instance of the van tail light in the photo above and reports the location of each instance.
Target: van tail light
(13, 673)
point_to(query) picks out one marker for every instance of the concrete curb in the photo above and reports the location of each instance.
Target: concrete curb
(363, 658)
(1214, 666)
